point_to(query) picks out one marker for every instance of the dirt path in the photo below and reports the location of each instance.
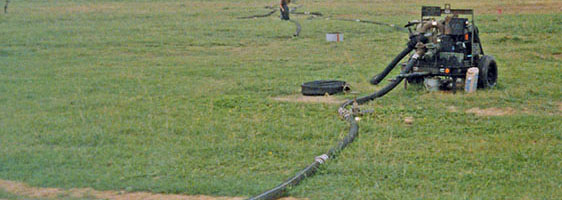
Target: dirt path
(491, 111)
(506, 111)
(309, 99)
(22, 189)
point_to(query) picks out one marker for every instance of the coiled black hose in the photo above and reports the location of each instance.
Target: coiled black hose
(279, 190)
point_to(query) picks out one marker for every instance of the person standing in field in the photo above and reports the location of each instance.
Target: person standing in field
(284, 9)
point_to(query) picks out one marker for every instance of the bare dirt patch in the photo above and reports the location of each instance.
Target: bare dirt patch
(21, 189)
(452, 109)
(491, 111)
(24, 190)
(557, 56)
(309, 99)
(507, 111)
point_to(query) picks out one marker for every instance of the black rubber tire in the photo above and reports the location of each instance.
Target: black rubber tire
(488, 76)
(321, 87)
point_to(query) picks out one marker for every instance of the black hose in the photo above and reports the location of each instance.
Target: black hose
(414, 39)
(386, 88)
(398, 28)
(298, 29)
(378, 78)
(311, 169)
(256, 16)
(298, 26)
(323, 87)
(352, 134)
(273, 10)
(319, 14)
(316, 14)
(279, 190)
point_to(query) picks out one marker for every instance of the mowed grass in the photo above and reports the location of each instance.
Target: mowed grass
(174, 97)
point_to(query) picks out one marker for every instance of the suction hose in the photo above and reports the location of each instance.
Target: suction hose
(414, 39)
(386, 88)
(378, 78)
(279, 190)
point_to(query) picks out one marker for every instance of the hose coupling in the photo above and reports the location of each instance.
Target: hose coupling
(355, 107)
(344, 113)
(420, 50)
(321, 158)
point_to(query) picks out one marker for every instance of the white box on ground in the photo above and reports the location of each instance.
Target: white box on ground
(334, 37)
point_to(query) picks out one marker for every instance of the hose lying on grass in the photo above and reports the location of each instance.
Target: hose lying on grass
(298, 30)
(349, 116)
(308, 171)
(398, 28)
(316, 14)
(273, 10)
(257, 16)
(319, 14)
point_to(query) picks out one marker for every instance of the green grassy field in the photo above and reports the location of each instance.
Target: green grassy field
(175, 97)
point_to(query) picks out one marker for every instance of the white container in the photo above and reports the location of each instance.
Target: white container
(471, 81)
(334, 37)
(431, 84)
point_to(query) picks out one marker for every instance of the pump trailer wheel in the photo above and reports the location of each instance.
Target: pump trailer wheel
(488, 68)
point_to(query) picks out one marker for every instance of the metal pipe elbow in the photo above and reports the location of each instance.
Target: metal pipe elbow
(429, 25)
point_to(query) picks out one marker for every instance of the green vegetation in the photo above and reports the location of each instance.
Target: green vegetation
(6, 195)
(174, 97)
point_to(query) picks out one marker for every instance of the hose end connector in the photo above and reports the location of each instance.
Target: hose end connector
(321, 158)
(375, 80)
(344, 113)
